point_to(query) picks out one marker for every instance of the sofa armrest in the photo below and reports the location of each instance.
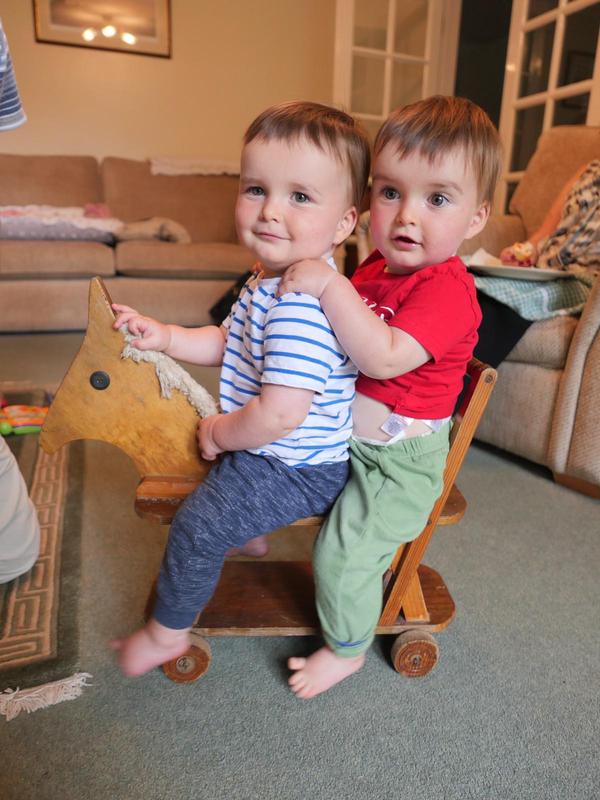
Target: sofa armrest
(574, 447)
(501, 231)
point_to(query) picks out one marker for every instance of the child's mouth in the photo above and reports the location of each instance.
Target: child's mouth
(405, 242)
(269, 236)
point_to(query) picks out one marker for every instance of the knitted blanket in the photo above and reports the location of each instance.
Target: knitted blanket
(535, 300)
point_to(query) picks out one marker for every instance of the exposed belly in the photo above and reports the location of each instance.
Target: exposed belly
(369, 415)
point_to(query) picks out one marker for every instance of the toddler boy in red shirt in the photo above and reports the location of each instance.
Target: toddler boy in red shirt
(409, 322)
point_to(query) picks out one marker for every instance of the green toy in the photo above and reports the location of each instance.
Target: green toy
(19, 419)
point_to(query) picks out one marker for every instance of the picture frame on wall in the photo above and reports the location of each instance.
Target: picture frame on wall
(141, 27)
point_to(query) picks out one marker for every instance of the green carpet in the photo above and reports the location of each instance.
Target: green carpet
(509, 713)
(38, 610)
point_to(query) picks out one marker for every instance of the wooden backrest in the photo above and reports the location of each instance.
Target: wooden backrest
(481, 382)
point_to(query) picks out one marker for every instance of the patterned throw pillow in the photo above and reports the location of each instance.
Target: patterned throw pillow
(576, 241)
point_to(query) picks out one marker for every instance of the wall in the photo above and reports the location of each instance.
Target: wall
(231, 59)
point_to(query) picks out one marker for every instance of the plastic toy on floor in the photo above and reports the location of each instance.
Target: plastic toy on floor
(20, 419)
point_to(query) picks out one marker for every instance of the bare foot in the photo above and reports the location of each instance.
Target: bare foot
(149, 647)
(257, 547)
(320, 671)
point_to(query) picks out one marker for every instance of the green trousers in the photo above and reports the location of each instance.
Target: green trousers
(387, 500)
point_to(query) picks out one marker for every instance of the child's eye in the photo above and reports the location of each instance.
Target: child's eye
(438, 200)
(301, 197)
(255, 191)
(389, 193)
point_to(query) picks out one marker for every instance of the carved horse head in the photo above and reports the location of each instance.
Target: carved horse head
(115, 400)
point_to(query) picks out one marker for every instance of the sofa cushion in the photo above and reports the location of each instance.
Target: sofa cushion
(55, 259)
(49, 180)
(203, 204)
(183, 302)
(62, 304)
(560, 152)
(545, 343)
(171, 260)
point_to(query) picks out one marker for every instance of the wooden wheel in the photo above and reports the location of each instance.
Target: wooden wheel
(191, 665)
(414, 653)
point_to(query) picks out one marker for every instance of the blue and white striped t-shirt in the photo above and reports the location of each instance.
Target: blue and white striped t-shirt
(289, 341)
(11, 111)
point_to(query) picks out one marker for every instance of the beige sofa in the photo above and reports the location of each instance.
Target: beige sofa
(545, 404)
(44, 284)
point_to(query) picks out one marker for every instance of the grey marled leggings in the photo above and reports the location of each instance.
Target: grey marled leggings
(244, 495)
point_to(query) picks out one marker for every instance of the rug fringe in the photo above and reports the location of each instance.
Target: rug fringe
(13, 701)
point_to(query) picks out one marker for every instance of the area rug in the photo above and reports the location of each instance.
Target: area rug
(39, 653)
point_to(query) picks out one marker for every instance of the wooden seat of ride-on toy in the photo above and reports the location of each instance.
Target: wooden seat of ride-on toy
(116, 400)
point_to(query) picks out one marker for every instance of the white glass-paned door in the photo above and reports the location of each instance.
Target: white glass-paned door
(392, 52)
(552, 77)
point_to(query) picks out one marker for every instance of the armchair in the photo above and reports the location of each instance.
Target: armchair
(545, 405)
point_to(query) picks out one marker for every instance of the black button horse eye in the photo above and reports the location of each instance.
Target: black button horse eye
(99, 380)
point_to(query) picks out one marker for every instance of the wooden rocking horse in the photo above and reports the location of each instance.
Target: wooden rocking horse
(116, 400)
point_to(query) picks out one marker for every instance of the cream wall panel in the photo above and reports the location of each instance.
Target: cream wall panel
(231, 59)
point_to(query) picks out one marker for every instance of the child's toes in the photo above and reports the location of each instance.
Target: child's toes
(298, 687)
(305, 692)
(298, 682)
(296, 662)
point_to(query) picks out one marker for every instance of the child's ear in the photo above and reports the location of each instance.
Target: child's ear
(346, 225)
(478, 221)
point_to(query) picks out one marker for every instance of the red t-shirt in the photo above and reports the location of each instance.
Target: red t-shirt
(436, 305)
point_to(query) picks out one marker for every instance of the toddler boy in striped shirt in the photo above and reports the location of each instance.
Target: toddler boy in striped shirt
(286, 383)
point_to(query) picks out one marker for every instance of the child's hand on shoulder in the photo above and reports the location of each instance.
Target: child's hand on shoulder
(310, 276)
(209, 449)
(151, 334)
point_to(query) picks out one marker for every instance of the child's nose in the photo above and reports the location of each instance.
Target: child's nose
(271, 208)
(406, 213)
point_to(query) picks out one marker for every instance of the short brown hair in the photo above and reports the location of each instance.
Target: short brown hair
(324, 126)
(437, 125)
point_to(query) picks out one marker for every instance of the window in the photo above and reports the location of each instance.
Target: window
(552, 76)
(392, 52)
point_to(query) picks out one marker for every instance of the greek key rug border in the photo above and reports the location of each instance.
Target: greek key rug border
(32, 608)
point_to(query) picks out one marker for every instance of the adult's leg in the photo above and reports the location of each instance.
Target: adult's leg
(19, 526)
